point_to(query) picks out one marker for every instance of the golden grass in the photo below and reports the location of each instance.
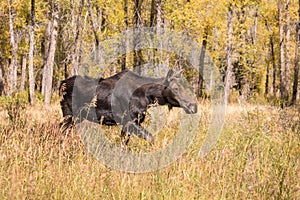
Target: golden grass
(257, 157)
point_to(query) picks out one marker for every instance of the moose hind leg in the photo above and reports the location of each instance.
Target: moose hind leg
(140, 132)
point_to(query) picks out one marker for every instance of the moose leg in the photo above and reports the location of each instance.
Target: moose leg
(124, 137)
(139, 131)
(66, 123)
(67, 114)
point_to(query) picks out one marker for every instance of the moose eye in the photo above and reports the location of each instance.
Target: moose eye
(175, 89)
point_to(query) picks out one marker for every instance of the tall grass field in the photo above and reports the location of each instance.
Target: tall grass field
(256, 157)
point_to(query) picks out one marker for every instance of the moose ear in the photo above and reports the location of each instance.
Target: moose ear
(170, 74)
(168, 77)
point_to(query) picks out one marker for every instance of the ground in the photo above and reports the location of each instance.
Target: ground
(256, 157)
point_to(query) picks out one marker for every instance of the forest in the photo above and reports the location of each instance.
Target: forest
(254, 44)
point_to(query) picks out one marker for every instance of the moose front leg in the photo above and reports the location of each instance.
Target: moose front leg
(139, 131)
(66, 123)
(125, 137)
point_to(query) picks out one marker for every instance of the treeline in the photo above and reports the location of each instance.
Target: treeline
(254, 43)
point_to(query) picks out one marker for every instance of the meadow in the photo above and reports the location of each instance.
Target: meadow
(256, 157)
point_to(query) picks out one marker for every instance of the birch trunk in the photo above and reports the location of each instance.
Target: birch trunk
(14, 48)
(46, 54)
(287, 52)
(137, 23)
(159, 27)
(267, 75)
(31, 54)
(274, 75)
(1, 83)
(123, 65)
(201, 66)
(296, 66)
(283, 92)
(228, 73)
(152, 13)
(77, 37)
(48, 69)
(23, 73)
(95, 32)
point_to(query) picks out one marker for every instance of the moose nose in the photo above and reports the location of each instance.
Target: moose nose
(193, 108)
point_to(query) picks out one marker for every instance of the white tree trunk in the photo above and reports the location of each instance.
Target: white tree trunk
(228, 73)
(95, 31)
(296, 66)
(31, 54)
(126, 39)
(1, 82)
(287, 53)
(46, 54)
(30, 65)
(23, 73)
(283, 92)
(137, 24)
(48, 69)
(14, 48)
(159, 31)
(77, 38)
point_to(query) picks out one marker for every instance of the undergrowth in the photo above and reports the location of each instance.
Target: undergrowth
(256, 157)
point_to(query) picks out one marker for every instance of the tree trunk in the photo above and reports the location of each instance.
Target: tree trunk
(153, 13)
(1, 83)
(274, 88)
(254, 34)
(123, 64)
(23, 73)
(267, 76)
(81, 40)
(137, 23)
(14, 49)
(159, 31)
(31, 54)
(283, 92)
(159, 20)
(77, 37)
(48, 68)
(137, 18)
(287, 53)
(95, 31)
(228, 73)
(101, 19)
(46, 53)
(201, 66)
(296, 66)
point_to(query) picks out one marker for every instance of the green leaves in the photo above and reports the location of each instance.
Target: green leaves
(254, 23)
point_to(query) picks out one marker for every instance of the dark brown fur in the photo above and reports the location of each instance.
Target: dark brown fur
(121, 99)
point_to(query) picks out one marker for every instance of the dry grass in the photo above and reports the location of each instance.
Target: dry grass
(257, 157)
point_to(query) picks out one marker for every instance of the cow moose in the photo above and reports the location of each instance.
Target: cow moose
(121, 99)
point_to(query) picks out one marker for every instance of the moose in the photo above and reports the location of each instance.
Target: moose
(121, 99)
